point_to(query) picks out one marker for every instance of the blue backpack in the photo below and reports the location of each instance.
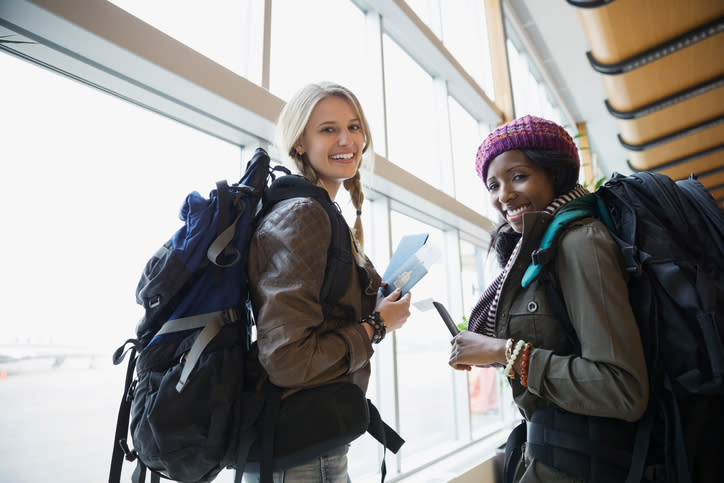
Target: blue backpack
(200, 402)
(671, 237)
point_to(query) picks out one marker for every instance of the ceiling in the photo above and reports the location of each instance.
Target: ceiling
(646, 76)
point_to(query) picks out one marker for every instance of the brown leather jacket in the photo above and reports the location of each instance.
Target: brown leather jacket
(298, 346)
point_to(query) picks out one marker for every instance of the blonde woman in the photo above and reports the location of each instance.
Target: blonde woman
(324, 132)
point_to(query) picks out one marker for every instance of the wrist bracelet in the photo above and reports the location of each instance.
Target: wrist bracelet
(509, 368)
(525, 356)
(378, 326)
(508, 349)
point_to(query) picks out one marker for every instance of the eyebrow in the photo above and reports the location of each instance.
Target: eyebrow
(334, 123)
(515, 167)
(508, 171)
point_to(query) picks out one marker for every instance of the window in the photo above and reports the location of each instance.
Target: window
(229, 33)
(485, 385)
(532, 95)
(429, 13)
(323, 44)
(95, 181)
(425, 383)
(465, 34)
(410, 119)
(466, 136)
(92, 186)
(462, 28)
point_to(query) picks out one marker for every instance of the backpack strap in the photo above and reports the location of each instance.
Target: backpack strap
(514, 451)
(272, 403)
(712, 215)
(588, 447)
(339, 255)
(120, 445)
(383, 433)
(225, 231)
(583, 207)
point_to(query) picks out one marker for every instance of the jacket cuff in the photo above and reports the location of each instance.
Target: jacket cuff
(360, 348)
(537, 364)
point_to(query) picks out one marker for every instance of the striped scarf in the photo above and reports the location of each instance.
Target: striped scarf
(482, 317)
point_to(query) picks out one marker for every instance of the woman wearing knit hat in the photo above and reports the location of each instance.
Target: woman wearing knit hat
(530, 168)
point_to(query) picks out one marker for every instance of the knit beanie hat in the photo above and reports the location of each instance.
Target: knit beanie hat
(527, 132)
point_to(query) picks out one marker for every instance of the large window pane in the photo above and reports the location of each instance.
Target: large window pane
(92, 187)
(429, 13)
(317, 40)
(423, 348)
(226, 31)
(410, 119)
(484, 384)
(466, 137)
(462, 27)
(465, 34)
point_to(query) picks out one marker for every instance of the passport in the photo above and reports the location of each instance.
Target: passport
(409, 263)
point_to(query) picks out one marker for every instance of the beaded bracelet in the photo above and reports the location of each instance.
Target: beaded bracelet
(525, 356)
(378, 326)
(508, 349)
(509, 368)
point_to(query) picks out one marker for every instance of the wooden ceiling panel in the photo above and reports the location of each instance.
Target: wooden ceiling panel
(718, 195)
(696, 166)
(674, 118)
(666, 76)
(713, 181)
(651, 158)
(623, 29)
(662, 66)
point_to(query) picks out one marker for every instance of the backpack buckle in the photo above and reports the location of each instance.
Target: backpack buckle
(131, 390)
(128, 453)
(154, 302)
(631, 260)
(230, 316)
(541, 256)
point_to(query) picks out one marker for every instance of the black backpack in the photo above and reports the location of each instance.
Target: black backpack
(200, 402)
(671, 236)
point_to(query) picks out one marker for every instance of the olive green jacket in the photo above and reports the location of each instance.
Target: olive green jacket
(609, 379)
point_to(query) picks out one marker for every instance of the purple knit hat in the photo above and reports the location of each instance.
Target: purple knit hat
(527, 132)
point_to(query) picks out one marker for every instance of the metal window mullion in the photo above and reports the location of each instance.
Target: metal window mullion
(385, 358)
(442, 153)
(462, 430)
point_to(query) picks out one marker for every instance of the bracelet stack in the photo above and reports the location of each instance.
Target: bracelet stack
(509, 349)
(377, 324)
(524, 364)
(511, 360)
(512, 351)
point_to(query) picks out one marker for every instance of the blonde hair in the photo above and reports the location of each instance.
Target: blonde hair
(290, 128)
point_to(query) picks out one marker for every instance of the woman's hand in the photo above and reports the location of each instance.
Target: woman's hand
(472, 349)
(394, 310)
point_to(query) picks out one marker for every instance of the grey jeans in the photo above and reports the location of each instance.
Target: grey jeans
(328, 468)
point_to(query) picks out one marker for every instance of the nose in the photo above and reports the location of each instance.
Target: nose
(506, 193)
(344, 137)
